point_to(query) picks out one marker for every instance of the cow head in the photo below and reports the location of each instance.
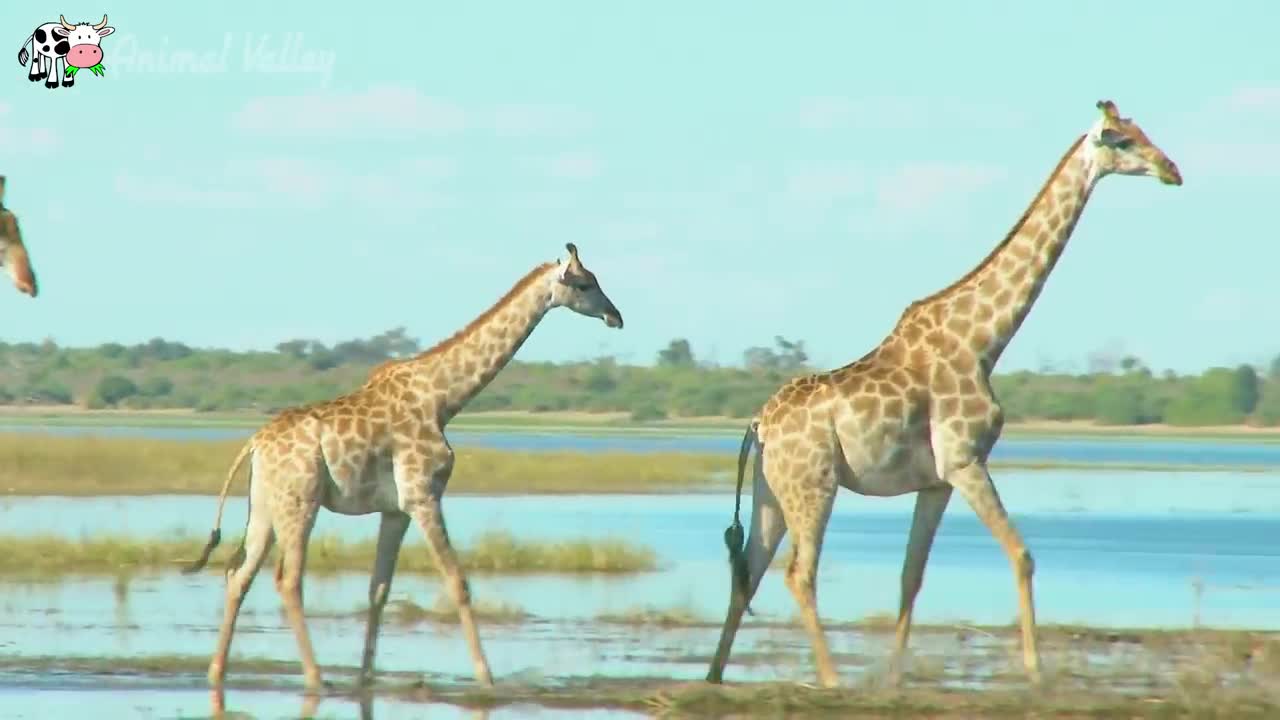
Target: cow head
(85, 41)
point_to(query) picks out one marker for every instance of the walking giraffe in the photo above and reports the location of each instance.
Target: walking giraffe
(382, 449)
(917, 413)
(13, 253)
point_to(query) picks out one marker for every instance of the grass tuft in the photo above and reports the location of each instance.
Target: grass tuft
(493, 552)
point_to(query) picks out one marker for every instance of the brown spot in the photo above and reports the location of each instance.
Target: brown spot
(947, 406)
(919, 357)
(944, 383)
(1003, 298)
(865, 404)
(984, 312)
(1020, 251)
(959, 326)
(988, 287)
(968, 386)
(911, 333)
(963, 363)
(893, 408)
(974, 406)
(963, 303)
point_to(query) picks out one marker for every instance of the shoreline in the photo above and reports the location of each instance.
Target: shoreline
(598, 423)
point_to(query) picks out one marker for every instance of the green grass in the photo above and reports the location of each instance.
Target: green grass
(37, 464)
(495, 552)
(95, 465)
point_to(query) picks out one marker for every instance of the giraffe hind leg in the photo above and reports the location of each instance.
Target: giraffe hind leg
(244, 566)
(767, 531)
(292, 534)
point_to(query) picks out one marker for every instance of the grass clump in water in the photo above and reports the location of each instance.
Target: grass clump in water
(674, 617)
(493, 552)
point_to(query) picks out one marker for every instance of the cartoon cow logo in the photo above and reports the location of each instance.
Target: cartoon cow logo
(60, 50)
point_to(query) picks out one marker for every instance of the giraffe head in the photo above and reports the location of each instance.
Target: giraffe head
(1121, 147)
(13, 254)
(576, 288)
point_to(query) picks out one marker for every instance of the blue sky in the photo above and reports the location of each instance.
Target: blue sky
(729, 174)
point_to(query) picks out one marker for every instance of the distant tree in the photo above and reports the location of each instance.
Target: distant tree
(114, 388)
(293, 348)
(678, 353)
(156, 386)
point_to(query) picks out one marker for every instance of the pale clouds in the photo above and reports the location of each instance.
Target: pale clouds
(287, 183)
(399, 111)
(901, 113)
(1222, 304)
(928, 186)
(1254, 99)
(570, 166)
(21, 134)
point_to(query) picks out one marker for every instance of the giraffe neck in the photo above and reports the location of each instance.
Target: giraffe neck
(457, 369)
(983, 310)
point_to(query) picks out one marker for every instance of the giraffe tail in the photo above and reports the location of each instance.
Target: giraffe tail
(215, 537)
(734, 536)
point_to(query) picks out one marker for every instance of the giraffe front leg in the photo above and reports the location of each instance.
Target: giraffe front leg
(391, 532)
(973, 481)
(930, 505)
(421, 499)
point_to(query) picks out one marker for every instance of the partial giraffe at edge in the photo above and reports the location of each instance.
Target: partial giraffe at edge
(916, 414)
(13, 251)
(382, 449)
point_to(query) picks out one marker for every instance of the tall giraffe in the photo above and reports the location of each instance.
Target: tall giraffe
(13, 253)
(917, 413)
(382, 449)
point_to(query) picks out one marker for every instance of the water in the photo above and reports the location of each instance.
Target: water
(1111, 548)
(1139, 451)
(1145, 536)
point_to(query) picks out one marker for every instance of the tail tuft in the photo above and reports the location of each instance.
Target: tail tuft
(735, 540)
(23, 56)
(215, 537)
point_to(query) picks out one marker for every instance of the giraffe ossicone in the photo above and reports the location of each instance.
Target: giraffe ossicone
(917, 413)
(382, 449)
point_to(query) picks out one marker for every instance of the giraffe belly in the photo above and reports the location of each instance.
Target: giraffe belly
(372, 491)
(898, 472)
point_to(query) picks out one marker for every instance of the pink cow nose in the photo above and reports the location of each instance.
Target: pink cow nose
(84, 56)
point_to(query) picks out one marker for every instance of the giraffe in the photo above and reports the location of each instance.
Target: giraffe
(917, 413)
(382, 449)
(13, 253)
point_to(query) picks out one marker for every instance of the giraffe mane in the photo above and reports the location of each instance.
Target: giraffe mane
(524, 282)
(1026, 215)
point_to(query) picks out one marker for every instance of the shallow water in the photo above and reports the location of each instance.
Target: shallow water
(1111, 549)
(1133, 451)
(1143, 537)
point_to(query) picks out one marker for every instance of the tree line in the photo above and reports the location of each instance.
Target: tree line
(166, 374)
